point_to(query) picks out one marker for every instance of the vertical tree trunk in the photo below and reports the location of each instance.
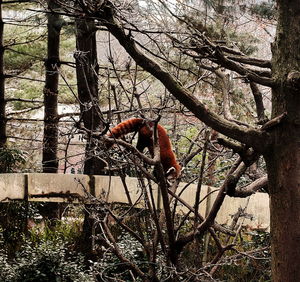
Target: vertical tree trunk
(87, 84)
(3, 136)
(283, 160)
(50, 140)
(52, 64)
(284, 183)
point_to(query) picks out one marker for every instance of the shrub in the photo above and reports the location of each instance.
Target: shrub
(48, 261)
(11, 159)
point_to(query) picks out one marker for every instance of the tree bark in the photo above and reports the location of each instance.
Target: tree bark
(52, 64)
(87, 84)
(3, 136)
(283, 159)
(50, 141)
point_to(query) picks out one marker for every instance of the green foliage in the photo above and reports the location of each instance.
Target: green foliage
(11, 159)
(25, 57)
(43, 254)
(67, 48)
(47, 254)
(20, 7)
(13, 224)
(190, 134)
(264, 10)
(111, 268)
(246, 42)
(64, 230)
(249, 268)
(27, 89)
(47, 261)
(21, 57)
(26, 47)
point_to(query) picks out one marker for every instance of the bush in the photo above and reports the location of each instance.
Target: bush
(266, 10)
(11, 159)
(253, 263)
(48, 261)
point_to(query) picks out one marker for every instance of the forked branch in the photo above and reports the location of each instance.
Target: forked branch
(250, 136)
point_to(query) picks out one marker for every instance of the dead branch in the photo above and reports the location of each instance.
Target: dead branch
(23, 100)
(243, 192)
(260, 109)
(240, 69)
(251, 61)
(228, 186)
(249, 136)
(247, 154)
(224, 78)
(112, 245)
(201, 173)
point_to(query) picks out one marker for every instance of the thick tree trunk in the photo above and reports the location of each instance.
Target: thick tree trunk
(3, 136)
(52, 64)
(87, 84)
(283, 160)
(284, 183)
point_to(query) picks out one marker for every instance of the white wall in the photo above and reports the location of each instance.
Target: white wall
(77, 188)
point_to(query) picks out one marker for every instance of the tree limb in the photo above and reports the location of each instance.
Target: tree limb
(260, 109)
(243, 192)
(112, 245)
(251, 61)
(248, 73)
(249, 136)
(247, 154)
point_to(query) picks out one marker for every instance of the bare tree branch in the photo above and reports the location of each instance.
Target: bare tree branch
(23, 100)
(112, 245)
(228, 187)
(224, 78)
(248, 73)
(249, 136)
(243, 192)
(251, 61)
(260, 109)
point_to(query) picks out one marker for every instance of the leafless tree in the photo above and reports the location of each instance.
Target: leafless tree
(277, 140)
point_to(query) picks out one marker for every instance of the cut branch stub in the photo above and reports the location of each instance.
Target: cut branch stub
(293, 79)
